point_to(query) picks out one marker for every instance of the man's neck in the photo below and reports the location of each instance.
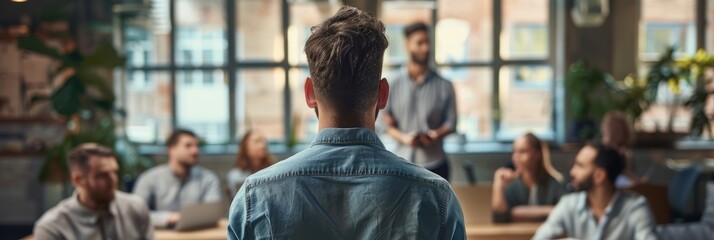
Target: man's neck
(599, 199)
(417, 71)
(87, 202)
(328, 120)
(178, 169)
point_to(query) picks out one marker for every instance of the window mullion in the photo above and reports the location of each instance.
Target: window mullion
(231, 25)
(496, 67)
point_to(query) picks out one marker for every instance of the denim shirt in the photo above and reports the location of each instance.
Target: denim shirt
(345, 186)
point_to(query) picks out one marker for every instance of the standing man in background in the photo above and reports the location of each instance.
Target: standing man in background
(422, 107)
(180, 182)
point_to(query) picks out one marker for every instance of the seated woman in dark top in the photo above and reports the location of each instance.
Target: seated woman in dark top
(529, 192)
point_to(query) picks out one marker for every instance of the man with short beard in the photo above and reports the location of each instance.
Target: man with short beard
(421, 109)
(598, 210)
(96, 210)
(180, 182)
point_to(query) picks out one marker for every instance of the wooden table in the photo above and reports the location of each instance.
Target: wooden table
(475, 203)
(218, 232)
(215, 233)
(505, 231)
(509, 231)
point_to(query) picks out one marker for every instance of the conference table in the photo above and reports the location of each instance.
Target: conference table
(215, 233)
(475, 203)
(502, 231)
(510, 231)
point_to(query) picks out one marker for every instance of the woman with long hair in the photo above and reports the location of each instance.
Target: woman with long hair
(529, 192)
(252, 157)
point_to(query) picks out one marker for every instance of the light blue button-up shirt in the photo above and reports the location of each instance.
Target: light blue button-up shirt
(345, 186)
(628, 216)
(165, 193)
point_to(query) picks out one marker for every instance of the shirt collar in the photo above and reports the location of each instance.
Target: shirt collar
(84, 214)
(614, 205)
(427, 76)
(347, 136)
(193, 172)
(611, 207)
(583, 201)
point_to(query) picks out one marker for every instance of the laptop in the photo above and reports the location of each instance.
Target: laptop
(201, 215)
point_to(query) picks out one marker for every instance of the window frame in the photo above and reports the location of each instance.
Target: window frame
(233, 65)
(700, 24)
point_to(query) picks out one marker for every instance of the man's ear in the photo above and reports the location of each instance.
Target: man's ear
(600, 176)
(310, 94)
(77, 179)
(383, 94)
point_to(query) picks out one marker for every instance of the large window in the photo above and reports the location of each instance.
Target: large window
(665, 24)
(220, 67)
(710, 25)
(497, 54)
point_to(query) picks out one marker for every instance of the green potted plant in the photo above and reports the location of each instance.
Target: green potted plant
(634, 96)
(586, 106)
(85, 101)
(666, 70)
(695, 68)
(628, 96)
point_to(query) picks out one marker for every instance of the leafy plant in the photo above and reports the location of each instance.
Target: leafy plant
(628, 96)
(665, 70)
(675, 72)
(86, 102)
(587, 105)
(580, 82)
(695, 69)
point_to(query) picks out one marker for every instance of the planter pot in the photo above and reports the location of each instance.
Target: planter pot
(582, 130)
(657, 139)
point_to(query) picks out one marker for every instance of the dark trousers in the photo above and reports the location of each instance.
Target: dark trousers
(442, 169)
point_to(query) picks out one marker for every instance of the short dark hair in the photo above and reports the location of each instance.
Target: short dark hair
(176, 134)
(78, 157)
(345, 54)
(415, 27)
(610, 159)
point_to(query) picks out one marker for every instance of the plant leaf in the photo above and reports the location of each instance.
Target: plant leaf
(66, 100)
(38, 99)
(104, 56)
(91, 79)
(35, 45)
(104, 104)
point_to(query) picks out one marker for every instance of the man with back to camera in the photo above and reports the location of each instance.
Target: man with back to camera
(422, 106)
(96, 210)
(180, 182)
(346, 185)
(598, 210)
